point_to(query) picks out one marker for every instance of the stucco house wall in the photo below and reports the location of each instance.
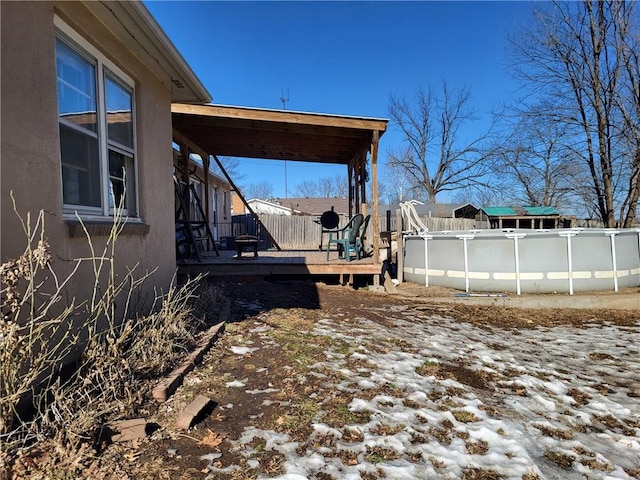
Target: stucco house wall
(30, 143)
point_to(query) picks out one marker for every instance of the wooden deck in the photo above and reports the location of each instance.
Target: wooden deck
(286, 262)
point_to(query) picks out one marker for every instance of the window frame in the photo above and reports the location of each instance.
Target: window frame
(103, 68)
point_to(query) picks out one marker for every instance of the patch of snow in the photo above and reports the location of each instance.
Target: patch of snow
(243, 350)
(264, 390)
(237, 383)
(544, 393)
(210, 457)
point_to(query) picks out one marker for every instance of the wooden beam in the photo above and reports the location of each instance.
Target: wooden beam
(187, 123)
(181, 139)
(237, 190)
(357, 178)
(363, 183)
(350, 178)
(399, 247)
(253, 269)
(207, 216)
(184, 151)
(374, 195)
(244, 113)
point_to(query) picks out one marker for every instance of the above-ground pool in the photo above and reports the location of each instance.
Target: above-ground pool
(525, 261)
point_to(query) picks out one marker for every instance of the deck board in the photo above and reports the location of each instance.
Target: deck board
(286, 262)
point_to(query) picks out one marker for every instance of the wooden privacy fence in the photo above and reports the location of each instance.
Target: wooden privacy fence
(297, 232)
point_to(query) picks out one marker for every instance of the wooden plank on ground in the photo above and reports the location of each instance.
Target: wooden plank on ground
(388, 284)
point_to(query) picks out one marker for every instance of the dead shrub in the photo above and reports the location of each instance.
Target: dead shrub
(119, 348)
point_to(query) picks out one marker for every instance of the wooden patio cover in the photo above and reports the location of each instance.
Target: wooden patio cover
(219, 130)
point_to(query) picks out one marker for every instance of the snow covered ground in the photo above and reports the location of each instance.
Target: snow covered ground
(443, 399)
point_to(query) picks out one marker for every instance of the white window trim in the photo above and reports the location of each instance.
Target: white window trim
(103, 65)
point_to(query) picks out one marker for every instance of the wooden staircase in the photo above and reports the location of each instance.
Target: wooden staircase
(192, 236)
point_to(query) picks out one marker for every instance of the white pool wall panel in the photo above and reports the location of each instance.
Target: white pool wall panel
(525, 261)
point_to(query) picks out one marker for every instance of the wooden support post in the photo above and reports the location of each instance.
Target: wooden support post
(388, 230)
(358, 180)
(374, 196)
(184, 151)
(207, 216)
(400, 248)
(363, 184)
(350, 177)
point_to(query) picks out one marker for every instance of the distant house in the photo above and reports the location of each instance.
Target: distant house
(315, 206)
(500, 217)
(440, 210)
(447, 210)
(293, 206)
(266, 207)
(87, 89)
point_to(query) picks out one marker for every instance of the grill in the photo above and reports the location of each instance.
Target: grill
(329, 221)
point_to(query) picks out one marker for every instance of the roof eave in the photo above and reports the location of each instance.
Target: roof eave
(173, 56)
(133, 24)
(284, 116)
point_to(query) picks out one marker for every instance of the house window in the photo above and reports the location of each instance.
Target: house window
(96, 120)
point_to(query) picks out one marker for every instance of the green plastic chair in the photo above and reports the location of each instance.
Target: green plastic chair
(347, 238)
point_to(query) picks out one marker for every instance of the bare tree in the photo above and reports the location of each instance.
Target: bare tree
(231, 166)
(397, 183)
(533, 165)
(630, 109)
(262, 190)
(436, 158)
(306, 189)
(580, 58)
(326, 187)
(336, 186)
(481, 197)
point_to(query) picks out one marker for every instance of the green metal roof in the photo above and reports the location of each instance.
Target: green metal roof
(499, 211)
(503, 211)
(541, 211)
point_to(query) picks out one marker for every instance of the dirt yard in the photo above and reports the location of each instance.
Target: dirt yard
(326, 382)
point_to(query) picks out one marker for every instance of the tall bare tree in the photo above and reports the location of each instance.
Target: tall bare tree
(630, 109)
(396, 185)
(326, 187)
(231, 166)
(262, 190)
(533, 165)
(437, 158)
(580, 58)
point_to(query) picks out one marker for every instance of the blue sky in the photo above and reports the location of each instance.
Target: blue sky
(342, 58)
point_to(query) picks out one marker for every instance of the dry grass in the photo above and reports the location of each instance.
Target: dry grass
(554, 432)
(118, 349)
(477, 448)
(561, 459)
(480, 474)
(464, 416)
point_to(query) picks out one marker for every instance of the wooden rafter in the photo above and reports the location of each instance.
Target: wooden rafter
(255, 216)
